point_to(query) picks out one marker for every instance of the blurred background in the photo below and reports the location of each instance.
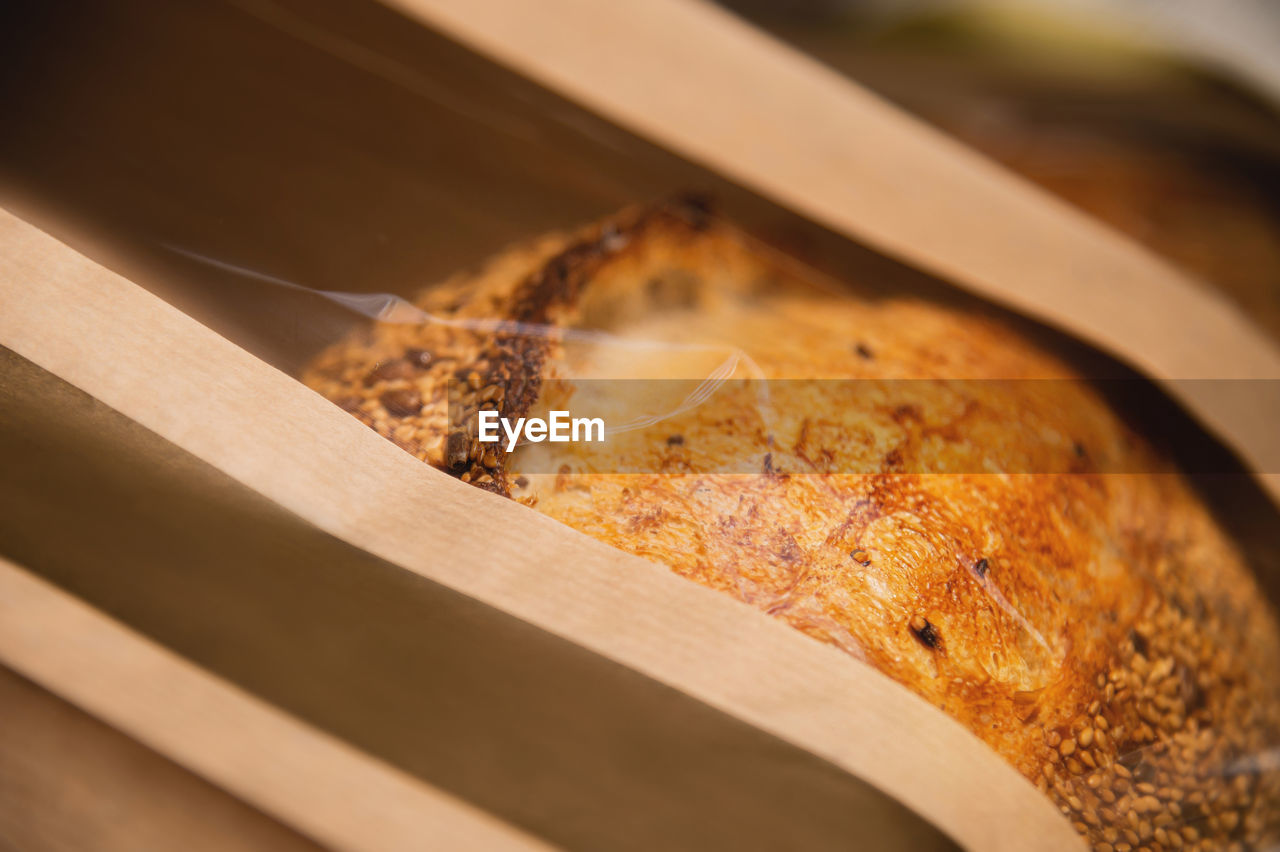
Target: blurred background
(1159, 118)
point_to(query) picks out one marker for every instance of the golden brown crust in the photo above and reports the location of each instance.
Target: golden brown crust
(1098, 630)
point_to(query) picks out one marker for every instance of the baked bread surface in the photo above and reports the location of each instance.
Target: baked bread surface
(1097, 629)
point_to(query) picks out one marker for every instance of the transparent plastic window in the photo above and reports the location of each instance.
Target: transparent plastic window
(921, 486)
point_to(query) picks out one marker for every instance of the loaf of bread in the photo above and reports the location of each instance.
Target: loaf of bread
(1096, 628)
